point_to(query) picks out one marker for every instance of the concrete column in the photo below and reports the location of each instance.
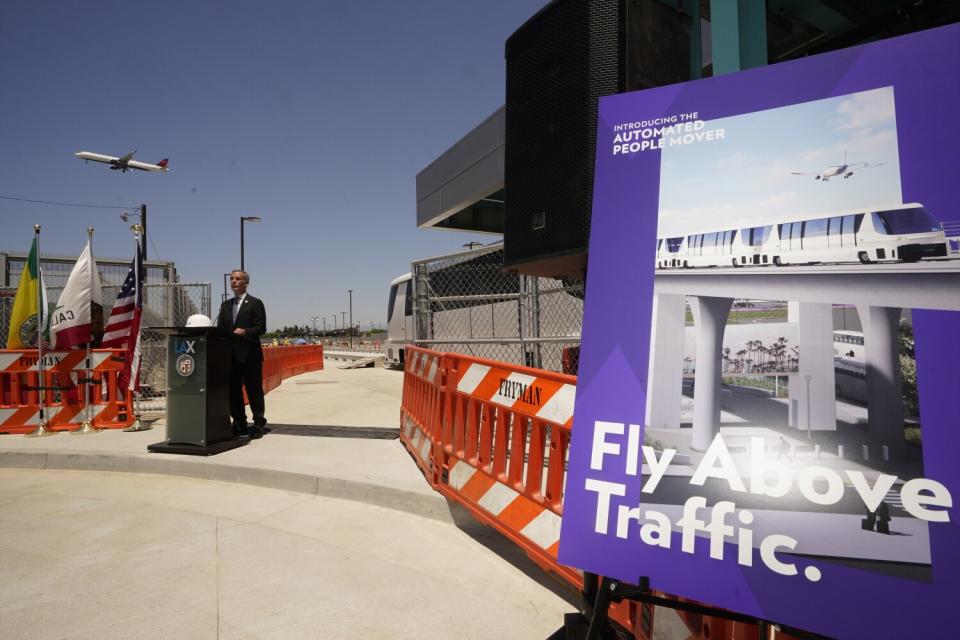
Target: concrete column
(711, 318)
(665, 373)
(813, 400)
(881, 355)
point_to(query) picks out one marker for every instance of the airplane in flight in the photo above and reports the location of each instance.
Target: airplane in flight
(123, 163)
(846, 170)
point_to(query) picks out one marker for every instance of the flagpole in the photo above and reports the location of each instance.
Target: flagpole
(138, 423)
(41, 429)
(87, 425)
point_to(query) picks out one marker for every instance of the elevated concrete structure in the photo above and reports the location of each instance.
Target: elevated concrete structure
(880, 326)
(665, 374)
(710, 315)
(921, 285)
(879, 293)
(813, 404)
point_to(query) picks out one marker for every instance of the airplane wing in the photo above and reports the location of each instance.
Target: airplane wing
(126, 159)
(804, 173)
(865, 165)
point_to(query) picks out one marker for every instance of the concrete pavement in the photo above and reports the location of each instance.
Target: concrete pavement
(371, 470)
(114, 555)
(291, 536)
(322, 529)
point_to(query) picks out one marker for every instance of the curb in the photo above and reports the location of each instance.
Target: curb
(432, 506)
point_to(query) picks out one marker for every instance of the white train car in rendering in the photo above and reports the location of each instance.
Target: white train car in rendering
(903, 233)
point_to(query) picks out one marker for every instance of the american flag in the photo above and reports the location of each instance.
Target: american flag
(123, 326)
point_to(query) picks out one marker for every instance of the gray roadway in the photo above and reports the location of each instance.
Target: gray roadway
(322, 529)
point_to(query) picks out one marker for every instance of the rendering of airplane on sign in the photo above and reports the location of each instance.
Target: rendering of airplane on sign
(784, 499)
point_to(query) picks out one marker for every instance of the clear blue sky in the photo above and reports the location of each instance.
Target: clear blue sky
(315, 116)
(747, 177)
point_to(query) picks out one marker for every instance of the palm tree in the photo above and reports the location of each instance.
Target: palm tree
(776, 351)
(781, 349)
(761, 352)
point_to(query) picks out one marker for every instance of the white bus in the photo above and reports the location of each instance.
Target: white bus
(850, 379)
(848, 345)
(904, 233)
(400, 330)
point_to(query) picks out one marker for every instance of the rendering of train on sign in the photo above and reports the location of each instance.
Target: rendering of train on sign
(123, 163)
(904, 233)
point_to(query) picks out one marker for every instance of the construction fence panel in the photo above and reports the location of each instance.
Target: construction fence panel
(504, 440)
(282, 362)
(494, 437)
(467, 303)
(164, 305)
(70, 391)
(423, 403)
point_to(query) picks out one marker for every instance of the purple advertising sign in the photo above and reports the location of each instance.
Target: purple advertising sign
(770, 333)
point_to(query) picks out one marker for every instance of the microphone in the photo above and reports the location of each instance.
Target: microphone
(216, 322)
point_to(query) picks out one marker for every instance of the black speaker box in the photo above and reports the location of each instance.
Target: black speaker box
(559, 63)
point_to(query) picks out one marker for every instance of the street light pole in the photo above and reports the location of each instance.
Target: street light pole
(343, 320)
(350, 292)
(242, 220)
(324, 318)
(143, 232)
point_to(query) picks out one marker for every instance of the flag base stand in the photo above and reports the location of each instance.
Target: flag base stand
(40, 432)
(86, 427)
(141, 424)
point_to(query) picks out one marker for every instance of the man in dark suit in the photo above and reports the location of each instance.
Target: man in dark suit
(245, 316)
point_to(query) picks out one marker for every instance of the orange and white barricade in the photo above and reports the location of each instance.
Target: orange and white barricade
(282, 362)
(63, 386)
(505, 435)
(423, 402)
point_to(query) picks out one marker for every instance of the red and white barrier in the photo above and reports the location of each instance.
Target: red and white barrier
(63, 386)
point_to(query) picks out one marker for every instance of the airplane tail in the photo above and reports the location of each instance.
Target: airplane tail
(163, 163)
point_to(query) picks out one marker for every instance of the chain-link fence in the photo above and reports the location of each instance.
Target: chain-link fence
(467, 303)
(164, 305)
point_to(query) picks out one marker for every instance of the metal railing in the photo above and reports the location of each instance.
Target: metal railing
(466, 303)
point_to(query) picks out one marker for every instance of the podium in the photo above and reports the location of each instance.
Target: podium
(198, 391)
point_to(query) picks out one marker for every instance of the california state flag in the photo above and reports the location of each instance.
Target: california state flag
(80, 308)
